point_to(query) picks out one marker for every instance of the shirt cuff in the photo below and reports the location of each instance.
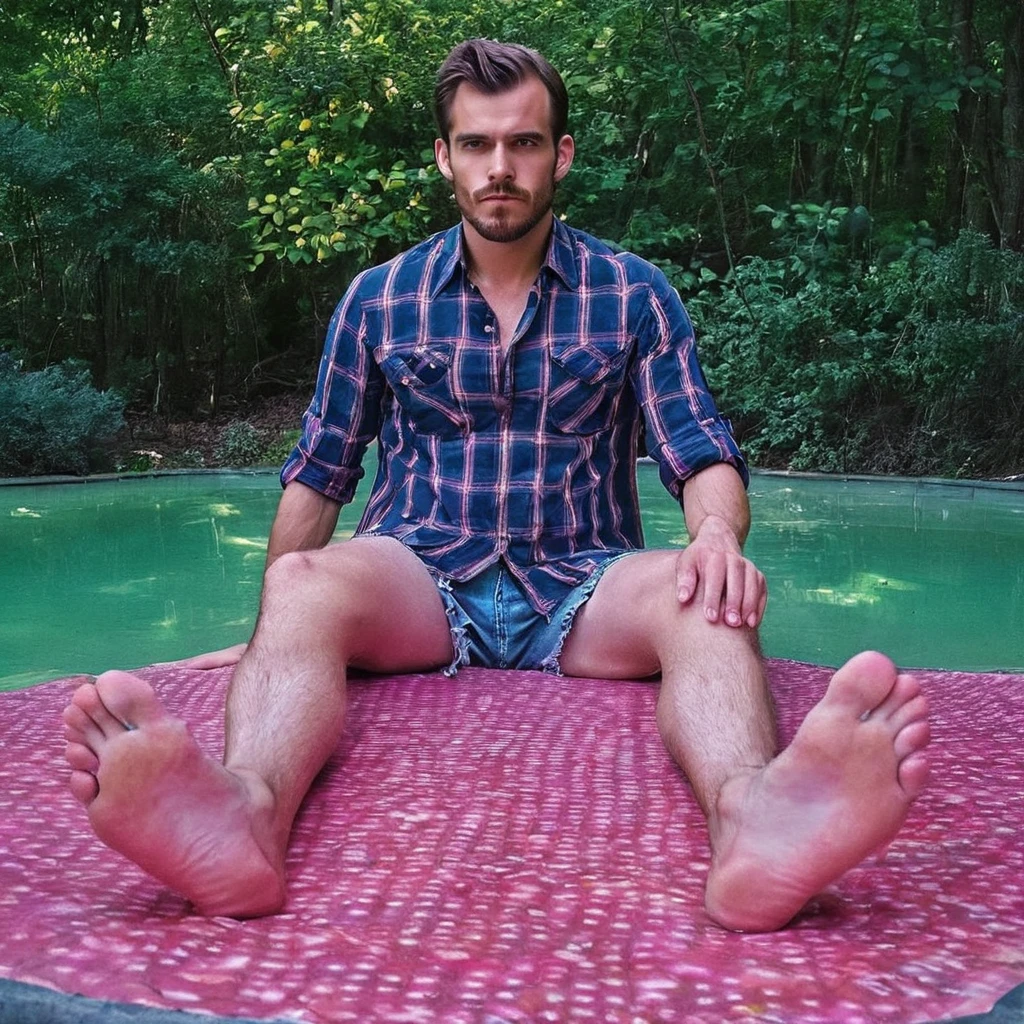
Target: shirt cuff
(335, 482)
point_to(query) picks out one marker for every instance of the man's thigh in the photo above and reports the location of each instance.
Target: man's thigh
(613, 635)
(634, 618)
(633, 615)
(387, 610)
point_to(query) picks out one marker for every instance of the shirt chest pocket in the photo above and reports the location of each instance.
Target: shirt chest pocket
(421, 379)
(586, 380)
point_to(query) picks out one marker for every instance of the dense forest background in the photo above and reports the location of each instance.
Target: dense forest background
(835, 186)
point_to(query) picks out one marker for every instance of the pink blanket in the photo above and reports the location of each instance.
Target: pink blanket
(510, 847)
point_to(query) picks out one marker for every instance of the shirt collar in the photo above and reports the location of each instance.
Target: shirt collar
(560, 259)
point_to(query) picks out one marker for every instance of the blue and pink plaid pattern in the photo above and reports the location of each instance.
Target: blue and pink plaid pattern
(528, 454)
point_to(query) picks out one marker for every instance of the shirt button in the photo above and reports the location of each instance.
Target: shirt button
(405, 380)
(489, 328)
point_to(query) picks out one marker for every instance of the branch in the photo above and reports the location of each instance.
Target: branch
(706, 153)
(211, 35)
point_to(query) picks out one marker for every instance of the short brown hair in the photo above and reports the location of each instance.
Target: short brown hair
(492, 68)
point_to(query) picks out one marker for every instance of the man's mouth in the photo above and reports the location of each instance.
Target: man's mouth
(501, 196)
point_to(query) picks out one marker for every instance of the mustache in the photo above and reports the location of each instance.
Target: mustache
(494, 191)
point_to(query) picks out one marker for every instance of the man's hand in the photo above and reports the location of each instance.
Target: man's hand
(713, 570)
(214, 659)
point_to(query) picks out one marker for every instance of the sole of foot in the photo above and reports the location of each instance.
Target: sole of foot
(839, 792)
(154, 796)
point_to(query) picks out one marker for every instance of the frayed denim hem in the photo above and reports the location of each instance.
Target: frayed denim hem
(458, 623)
(582, 594)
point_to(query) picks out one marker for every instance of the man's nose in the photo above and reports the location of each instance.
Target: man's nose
(501, 165)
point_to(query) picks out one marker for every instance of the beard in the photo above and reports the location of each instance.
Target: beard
(513, 223)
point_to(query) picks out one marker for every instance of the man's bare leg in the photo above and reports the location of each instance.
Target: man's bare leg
(216, 832)
(781, 826)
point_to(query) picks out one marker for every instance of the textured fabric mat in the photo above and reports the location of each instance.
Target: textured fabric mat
(508, 847)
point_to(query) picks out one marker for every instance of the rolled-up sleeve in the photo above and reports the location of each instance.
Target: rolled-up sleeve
(344, 415)
(685, 432)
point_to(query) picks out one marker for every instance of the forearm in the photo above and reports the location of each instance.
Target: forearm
(715, 496)
(305, 521)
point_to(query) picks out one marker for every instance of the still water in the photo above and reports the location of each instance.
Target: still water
(128, 572)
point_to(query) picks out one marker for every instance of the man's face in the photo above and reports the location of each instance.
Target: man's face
(502, 161)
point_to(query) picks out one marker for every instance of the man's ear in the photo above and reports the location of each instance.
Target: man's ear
(441, 158)
(564, 153)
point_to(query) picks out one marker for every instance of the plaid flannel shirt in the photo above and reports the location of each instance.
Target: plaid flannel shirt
(527, 455)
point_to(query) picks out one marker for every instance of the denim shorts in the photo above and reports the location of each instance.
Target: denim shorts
(494, 625)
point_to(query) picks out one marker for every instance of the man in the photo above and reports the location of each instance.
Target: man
(503, 367)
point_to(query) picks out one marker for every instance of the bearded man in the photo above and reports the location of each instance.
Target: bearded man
(503, 368)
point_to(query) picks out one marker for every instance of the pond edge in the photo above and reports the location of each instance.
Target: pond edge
(995, 485)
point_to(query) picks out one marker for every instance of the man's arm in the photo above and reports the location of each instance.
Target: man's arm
(731, 587)
(717, 492)
(305, 520)
(685, 431)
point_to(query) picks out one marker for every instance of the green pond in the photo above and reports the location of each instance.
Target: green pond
(127, 572)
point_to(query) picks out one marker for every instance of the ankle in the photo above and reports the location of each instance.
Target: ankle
(728, 803)
(270, 818)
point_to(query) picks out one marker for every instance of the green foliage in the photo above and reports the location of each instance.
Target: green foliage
(105, 241)
(53, 420)
(333, 176)
(140, 460)
(914, 367)
(187, 187)
(240, 444)
(278, 450)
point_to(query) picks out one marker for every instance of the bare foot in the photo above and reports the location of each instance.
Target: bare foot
(154, 796)
(840, 791)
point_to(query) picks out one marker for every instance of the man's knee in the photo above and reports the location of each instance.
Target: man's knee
(292, 572)
(647, 582)
(339, 574)
(647, 585)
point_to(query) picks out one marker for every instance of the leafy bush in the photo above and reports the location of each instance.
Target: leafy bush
(241, 444)
(912, 367)
(277, 451)
(53, 420)
(139, 461)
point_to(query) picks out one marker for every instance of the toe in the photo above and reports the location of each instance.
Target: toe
(911, 739)
(912, 711)
(863, 683)
(79, 727)
(84, 787)
(905, 690)
(81, 758)
(89, 700)
(129, 699)
(913, 774)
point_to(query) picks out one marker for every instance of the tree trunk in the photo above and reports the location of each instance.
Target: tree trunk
(101, 354)
(908, 172)
(965, 122)
(1010, 177)
(829, 157)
